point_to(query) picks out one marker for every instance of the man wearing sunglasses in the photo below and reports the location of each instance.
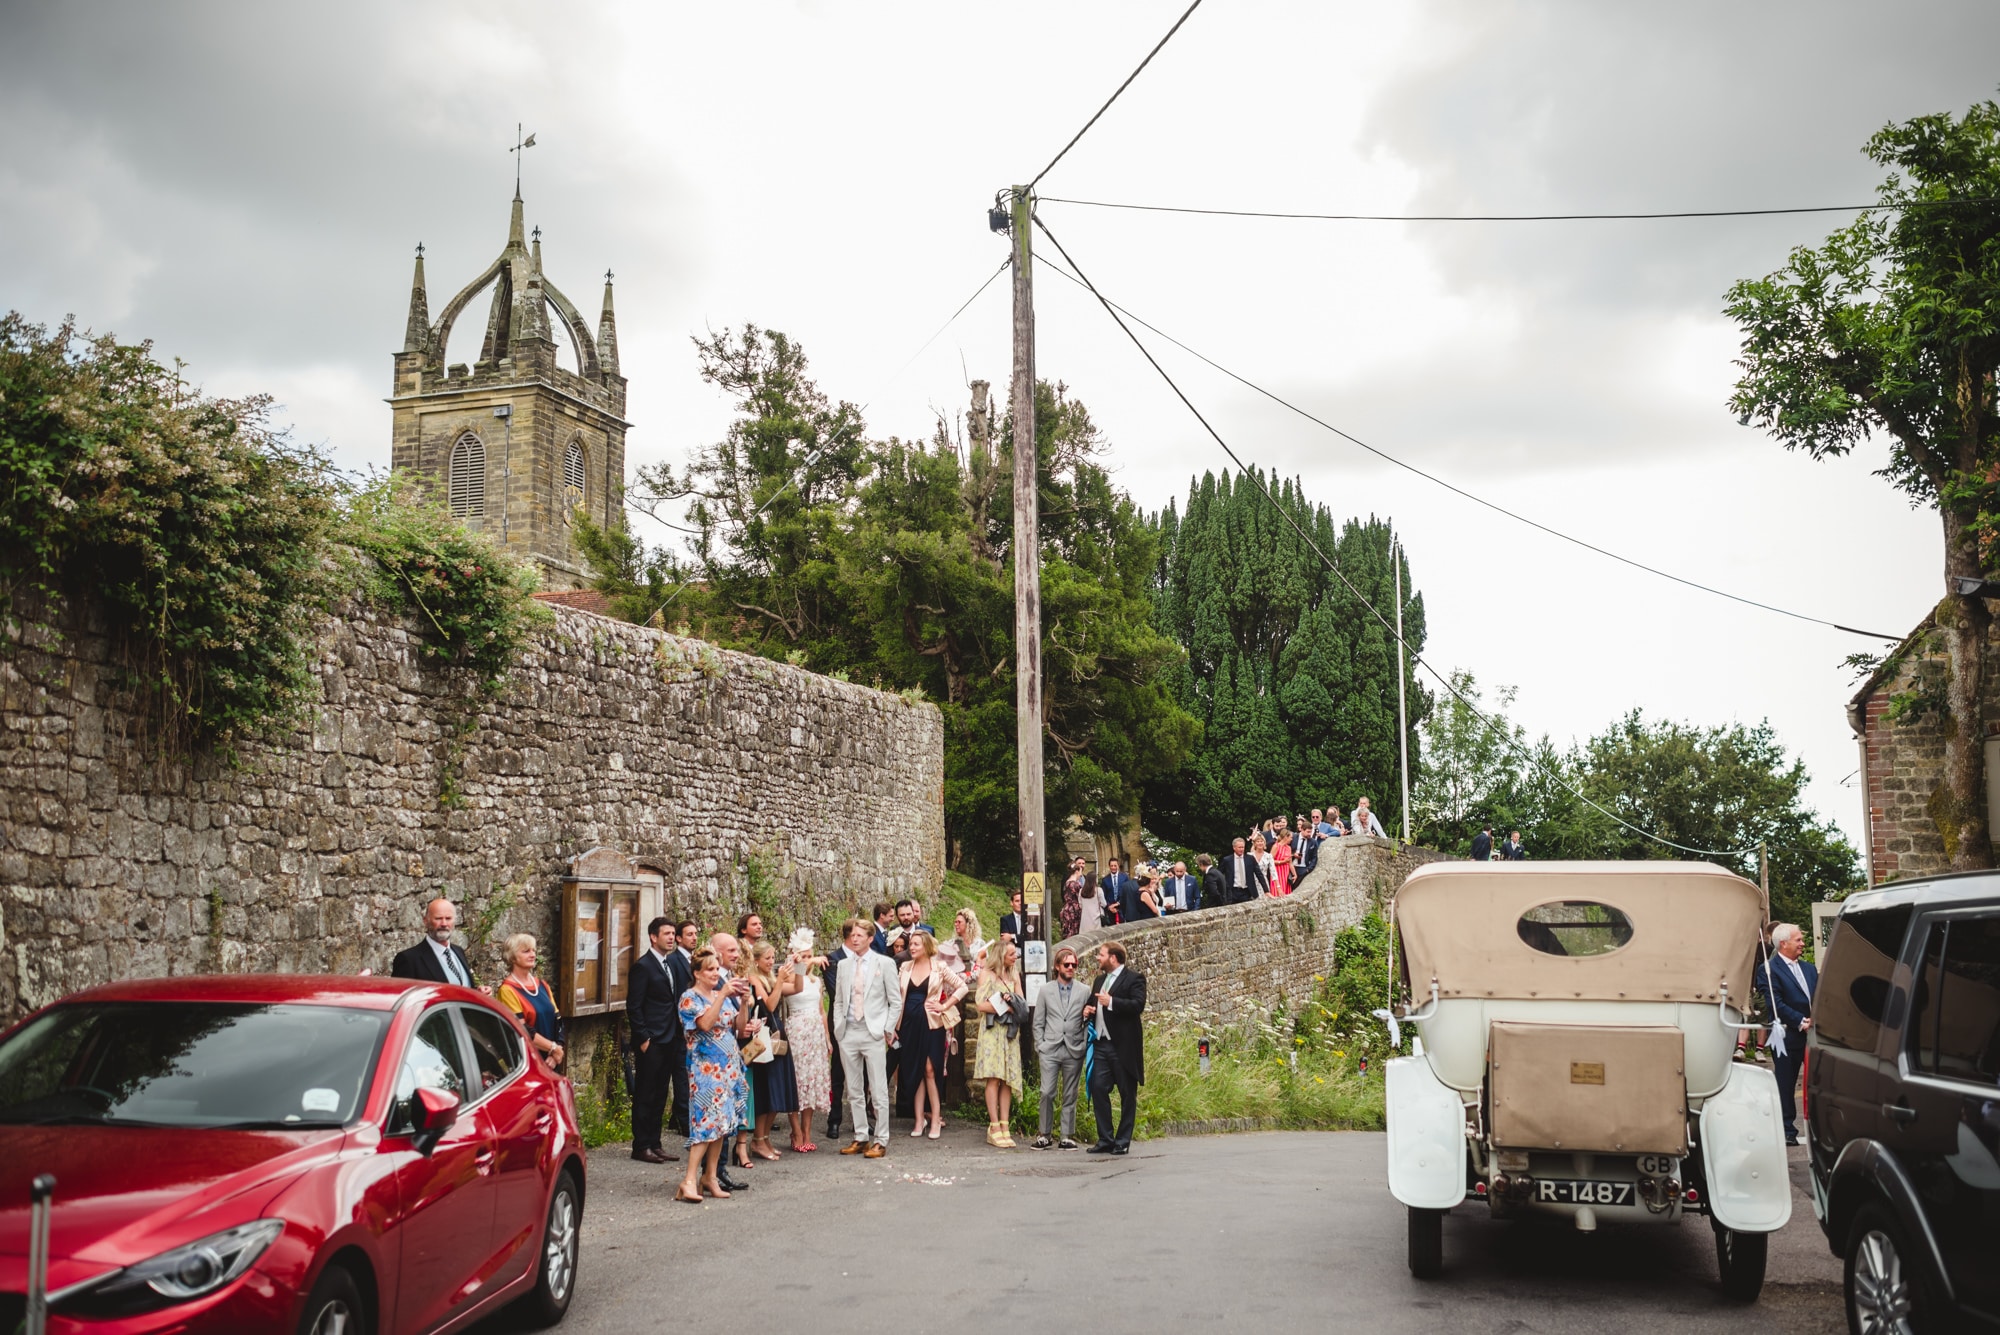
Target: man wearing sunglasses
(1059, 1038)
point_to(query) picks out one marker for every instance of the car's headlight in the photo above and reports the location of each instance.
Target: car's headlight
(174, 1277)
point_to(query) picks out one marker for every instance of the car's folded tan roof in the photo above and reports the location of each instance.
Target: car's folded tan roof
(1694, 926)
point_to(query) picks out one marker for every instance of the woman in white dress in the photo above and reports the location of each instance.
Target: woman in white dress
(1260, 850)
(811, 1050)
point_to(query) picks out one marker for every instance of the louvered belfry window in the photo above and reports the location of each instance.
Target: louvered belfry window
(573, 490)
(468, 477)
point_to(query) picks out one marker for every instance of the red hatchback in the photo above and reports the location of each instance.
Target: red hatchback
(334, 1156)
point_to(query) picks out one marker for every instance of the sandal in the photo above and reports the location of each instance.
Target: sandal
(766, 1153)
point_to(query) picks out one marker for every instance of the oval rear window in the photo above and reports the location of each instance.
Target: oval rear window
(1574, 927)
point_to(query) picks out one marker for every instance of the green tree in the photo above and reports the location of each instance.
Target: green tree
(1722, 788)
(1473, 768)
(891, 562)
(1289, 671)
(1893, 326)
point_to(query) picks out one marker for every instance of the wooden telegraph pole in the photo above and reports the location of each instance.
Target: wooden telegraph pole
(1027, 589)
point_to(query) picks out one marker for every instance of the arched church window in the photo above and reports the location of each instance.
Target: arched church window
(468, 477)
(573, 475)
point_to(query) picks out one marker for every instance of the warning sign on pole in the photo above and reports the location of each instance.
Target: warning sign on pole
(1031, 888)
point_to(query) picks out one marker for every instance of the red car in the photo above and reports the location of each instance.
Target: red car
(334, 1156)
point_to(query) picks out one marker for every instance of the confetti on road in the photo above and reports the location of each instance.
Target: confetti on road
(930, 1180)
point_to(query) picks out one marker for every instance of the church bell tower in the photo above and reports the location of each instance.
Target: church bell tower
(516, 443)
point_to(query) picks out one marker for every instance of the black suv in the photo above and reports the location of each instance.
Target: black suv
(1903, 1103)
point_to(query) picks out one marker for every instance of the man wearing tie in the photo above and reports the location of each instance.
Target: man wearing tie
(1242, 875)
(1060, 1042)
(653, 1015)
(1792, 983)
(865, 1011)
(1116, 887)
(435, 959)
(1117, 1052)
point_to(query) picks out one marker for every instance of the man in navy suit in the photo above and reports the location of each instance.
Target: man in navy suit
(1118, 888)
(652, 1014)
(1791, 983)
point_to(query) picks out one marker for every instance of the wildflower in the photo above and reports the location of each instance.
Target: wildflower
(1317, 1080)
(1340, 1054)
(1298, 1040)
(1319, 978)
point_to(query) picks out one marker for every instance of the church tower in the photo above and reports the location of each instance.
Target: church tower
(514, 442)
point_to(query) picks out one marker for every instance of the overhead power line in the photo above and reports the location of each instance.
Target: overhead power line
(1510, 217)
(1402, 645)
(1114, 96)
(1474, 496)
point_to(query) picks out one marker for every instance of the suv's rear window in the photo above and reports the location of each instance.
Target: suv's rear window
(1854, 984)
(1955, 1014)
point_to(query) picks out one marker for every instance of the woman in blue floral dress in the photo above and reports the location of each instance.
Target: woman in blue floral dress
(718, 1098)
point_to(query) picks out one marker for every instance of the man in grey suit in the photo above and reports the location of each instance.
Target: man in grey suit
(1060, 1041)
(865, 1011)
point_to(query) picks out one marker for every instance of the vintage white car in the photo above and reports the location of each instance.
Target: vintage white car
(1575, 1057)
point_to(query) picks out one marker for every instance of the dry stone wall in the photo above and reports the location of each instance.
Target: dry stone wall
(317, 852)
(1221, 962)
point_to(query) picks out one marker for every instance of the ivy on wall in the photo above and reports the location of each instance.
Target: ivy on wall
(214, 545)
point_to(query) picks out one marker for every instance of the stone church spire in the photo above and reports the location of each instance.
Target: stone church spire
(607, 333)
(417, 334)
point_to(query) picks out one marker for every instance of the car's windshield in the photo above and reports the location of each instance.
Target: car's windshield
(190, 1063)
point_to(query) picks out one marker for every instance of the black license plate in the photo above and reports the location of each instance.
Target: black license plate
(1580, 1191)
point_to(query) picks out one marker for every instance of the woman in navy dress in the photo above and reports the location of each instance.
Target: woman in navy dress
(532, 1000)
(931, 994)
(773, 1086)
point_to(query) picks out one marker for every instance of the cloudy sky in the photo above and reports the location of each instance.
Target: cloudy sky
(244, 184)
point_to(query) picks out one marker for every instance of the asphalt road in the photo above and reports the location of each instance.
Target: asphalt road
(1268, 1232)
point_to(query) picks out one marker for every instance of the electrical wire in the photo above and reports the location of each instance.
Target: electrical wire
(1403, 645)
(1474, 496)
(1114, 97)
(977, 292)
(1508, 217)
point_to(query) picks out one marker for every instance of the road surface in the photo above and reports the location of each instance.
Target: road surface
(1270, 1232)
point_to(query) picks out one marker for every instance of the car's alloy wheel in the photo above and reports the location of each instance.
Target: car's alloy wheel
(555, 1280)
(334, 1306)
(559, 1244)
(1878, 1291)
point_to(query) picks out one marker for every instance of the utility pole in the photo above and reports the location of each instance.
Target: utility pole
(1027, 591)
(1402, 699)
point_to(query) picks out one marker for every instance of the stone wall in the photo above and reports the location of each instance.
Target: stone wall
(1218, 962)
(1902, 760)
(316, 853)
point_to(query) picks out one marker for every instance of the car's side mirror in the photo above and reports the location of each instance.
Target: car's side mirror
(432, 1113)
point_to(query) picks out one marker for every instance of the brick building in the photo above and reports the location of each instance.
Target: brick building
(1902, 759)
(516, 442)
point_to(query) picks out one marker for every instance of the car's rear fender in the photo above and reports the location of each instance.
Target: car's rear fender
(1865, 1172)
(1743, 1153)
(1426, 1136)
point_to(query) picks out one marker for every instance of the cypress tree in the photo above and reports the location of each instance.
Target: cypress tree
(1292, 677)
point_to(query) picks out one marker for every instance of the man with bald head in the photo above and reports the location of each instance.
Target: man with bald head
(435, 959)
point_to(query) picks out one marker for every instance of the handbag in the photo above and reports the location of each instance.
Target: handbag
(758, 1049)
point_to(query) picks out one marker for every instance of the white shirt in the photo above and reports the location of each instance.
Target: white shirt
(454, 972)
(1103, 1031)
(1236, 861)
(1797, 973)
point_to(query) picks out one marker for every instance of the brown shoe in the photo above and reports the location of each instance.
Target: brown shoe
(875, 1150)
(652, 1156)
(853, 1147)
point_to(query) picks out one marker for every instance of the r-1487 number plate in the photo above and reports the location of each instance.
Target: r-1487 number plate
(1577, 1191)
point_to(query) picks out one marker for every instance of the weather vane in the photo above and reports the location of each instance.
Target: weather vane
(520, 145)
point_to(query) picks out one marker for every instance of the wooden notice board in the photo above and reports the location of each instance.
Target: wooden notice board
(606, 902)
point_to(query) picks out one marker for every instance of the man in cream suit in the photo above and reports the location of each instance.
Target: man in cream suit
(1059, 1040)
(865, 1011)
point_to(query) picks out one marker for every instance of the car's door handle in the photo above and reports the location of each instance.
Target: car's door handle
(542, 1121)
(1899, 1113)
(483, 1161)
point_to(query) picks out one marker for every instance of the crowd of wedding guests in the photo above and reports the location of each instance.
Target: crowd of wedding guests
(1272, 859)
(734, 1032)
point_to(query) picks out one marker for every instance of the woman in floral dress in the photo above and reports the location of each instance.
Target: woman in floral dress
(718, 1097)
(1072, 901)
(997, 1061)
(812, 1051)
